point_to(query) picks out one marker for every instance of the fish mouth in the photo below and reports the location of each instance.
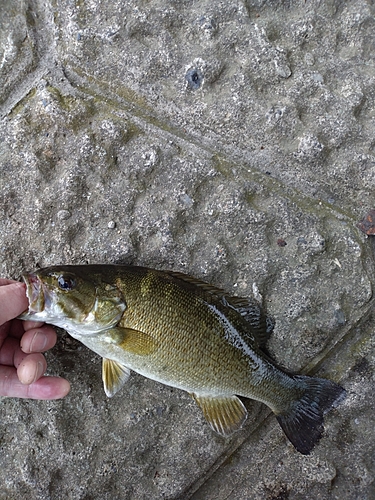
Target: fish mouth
(36, 293)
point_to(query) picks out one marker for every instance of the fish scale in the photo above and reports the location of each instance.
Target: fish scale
(185, 333)
(201, 360)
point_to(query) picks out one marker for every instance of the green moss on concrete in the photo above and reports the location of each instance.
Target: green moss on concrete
(23, 102)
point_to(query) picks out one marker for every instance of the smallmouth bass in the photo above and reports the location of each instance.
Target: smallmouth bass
(184, 333)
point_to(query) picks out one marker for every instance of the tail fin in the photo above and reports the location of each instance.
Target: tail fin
(303, 421)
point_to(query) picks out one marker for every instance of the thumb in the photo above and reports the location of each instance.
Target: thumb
(13, 301)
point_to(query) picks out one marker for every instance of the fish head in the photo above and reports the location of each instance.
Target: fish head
(66, 296)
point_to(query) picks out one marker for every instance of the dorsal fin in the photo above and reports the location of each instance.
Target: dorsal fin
(213, 290)
(261, 325)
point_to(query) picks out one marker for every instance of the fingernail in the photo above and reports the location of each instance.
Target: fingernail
(38, 342)
(38, 371)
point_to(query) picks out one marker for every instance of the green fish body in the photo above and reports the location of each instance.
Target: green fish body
(184, 333)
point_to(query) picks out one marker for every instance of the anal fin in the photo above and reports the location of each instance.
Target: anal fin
(114, 376)
(225, 414)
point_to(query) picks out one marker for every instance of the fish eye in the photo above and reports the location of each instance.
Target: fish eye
(65, 282)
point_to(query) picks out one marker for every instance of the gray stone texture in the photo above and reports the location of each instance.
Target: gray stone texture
(233, 141)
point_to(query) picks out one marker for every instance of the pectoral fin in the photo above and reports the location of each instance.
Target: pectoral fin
(132, 340)
(114, 376)
(225, 414)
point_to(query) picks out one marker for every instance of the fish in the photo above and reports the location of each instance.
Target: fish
(185, 333)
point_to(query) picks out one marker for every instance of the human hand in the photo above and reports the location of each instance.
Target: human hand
(22, 363)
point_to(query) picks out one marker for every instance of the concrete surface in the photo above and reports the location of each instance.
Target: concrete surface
(233, 141)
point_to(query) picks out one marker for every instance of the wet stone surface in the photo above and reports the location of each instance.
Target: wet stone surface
(233, 142)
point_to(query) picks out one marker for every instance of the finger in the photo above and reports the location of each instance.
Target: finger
(10, 352)
(15, 328)
(44, 388)
(4, 330)
(48, 388)
(38, 339)
(18, 327)
(29, 324)
(13, 301)
(4, 281)
(31, 368)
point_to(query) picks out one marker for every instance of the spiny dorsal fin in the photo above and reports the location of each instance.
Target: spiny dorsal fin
(114, 376)
(131, 340)
(213, 290)
(225, 414)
